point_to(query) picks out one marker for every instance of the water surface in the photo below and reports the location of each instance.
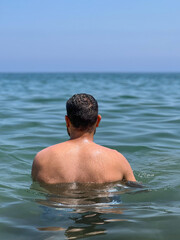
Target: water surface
(140, 119)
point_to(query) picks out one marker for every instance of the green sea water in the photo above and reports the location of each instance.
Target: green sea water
(140, 119)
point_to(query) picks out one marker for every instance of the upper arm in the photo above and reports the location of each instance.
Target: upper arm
(36, 167)
(41, 170)
(128, 174)
(126, 169)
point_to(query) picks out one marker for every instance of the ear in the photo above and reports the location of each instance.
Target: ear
(67, 121)
(98, 120)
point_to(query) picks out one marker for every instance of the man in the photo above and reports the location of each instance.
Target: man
(80, 159)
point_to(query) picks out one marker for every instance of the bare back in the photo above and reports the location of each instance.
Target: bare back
(80, 161)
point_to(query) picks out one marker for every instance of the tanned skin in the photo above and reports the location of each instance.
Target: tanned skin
(80, 160)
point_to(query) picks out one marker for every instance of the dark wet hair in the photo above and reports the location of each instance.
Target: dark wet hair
(82, 110)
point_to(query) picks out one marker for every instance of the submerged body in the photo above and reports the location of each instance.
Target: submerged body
(80, 160)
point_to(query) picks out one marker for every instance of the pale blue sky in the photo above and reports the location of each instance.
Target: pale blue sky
(89, 35)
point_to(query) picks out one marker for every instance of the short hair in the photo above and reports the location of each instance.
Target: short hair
(82, 110)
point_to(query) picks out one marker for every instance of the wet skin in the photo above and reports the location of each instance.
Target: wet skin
(80, 160)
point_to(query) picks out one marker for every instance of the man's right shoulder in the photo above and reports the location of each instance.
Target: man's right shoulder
(112, 152)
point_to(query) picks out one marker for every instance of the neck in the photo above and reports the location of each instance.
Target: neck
(82, 135)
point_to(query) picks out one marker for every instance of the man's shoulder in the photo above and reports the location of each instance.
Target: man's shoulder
(40, 158)
(43, 154)
(50, 150)
(50, 153)
(110, 151)
(44, 161)
(113, 154)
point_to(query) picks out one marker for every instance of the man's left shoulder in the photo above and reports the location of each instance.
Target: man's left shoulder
(42, 155)
(40, 162)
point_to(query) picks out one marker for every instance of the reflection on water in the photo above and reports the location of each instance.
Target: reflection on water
(82, 209)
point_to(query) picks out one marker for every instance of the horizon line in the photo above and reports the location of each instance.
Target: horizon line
(89, 72)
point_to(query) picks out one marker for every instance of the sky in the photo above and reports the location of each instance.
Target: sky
(90, 36)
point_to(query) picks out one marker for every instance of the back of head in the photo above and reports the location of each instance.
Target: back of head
(82, 110)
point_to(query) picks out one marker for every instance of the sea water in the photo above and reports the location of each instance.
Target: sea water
(140, 118)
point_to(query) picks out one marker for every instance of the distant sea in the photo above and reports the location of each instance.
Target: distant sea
(140, 118)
